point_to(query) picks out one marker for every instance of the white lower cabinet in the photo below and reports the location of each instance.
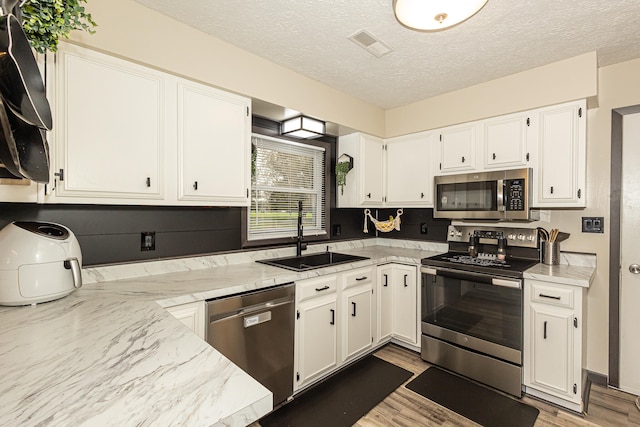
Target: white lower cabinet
(357, 309)
(553, 342)
(316, 346)
(192, 315)
(398, 303)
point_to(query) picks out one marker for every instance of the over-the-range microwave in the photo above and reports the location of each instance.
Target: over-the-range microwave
(496, 195)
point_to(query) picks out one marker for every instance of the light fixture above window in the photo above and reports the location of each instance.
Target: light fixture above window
(435, 15)
(302, 127)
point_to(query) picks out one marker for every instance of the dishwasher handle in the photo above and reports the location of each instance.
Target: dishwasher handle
(248, 310)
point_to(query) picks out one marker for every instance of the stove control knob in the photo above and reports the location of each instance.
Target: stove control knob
(458, 233)
(531, 238)
(511, 237)
(521, 237)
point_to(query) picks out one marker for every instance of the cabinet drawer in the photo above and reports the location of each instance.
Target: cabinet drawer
(358, 277)
(317, 287)
(552, 295)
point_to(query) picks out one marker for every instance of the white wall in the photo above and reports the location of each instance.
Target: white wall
(135, 32)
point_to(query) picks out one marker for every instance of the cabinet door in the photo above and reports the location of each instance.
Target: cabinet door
(385, 302)
(506, 142)
(109, 129)
(358, 335)
(458, 147)
(405, 304)
(317, 338)
(409, 172)
(191, 315)
(552, 355)
(560, 178)
(214, 145)
(372, 171)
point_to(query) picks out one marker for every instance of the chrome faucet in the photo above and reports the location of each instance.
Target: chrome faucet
(300, 245)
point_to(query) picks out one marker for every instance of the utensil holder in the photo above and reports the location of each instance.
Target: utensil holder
(551, 253)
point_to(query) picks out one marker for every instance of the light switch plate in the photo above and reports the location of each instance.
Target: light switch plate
(593, 224)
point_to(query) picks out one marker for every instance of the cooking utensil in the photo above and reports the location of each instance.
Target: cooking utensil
(32, 147)
(8, 151)
(21, 84)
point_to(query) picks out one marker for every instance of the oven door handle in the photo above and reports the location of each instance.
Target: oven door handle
(473, 277)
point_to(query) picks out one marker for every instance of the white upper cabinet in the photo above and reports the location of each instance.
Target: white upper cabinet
(213, 145)
(505, 141)
(560, 178)
(364, 185)
(129, 134)
(109, 128)
(458, 145)
(410, 170)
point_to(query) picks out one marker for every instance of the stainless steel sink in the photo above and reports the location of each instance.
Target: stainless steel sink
(309, 262)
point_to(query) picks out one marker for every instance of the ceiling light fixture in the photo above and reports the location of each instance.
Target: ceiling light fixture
(302, 127)
(435, 15)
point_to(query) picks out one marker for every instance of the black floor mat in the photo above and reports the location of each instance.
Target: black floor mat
(342, 399)
(479, 404)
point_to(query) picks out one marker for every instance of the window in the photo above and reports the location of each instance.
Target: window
(282, 174)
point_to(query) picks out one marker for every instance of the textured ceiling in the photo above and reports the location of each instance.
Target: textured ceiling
(505, 37)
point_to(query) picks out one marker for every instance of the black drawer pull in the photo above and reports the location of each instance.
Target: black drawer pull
(333, 317)
(545, 329)
(361, 278)
(548, 296)
(368, 195)
(386, 280)
(422, 195)
(148, 182)
(324, 288)
(405, 280)
(195, 185)
(354, 309)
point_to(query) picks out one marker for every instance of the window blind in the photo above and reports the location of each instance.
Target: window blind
(283, 173)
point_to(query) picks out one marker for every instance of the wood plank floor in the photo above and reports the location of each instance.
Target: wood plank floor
(403, 407)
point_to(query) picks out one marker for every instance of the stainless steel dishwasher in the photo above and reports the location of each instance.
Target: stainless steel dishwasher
(256, 332)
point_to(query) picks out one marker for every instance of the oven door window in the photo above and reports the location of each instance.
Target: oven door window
(468, 196)
(488, 312)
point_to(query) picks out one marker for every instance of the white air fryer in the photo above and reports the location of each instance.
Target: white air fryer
(39, 262)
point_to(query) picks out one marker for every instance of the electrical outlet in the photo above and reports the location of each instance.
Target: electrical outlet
(148, 241)
(593, 224)
(423, 228)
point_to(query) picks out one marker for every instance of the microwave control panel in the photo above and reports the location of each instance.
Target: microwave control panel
(514, 194)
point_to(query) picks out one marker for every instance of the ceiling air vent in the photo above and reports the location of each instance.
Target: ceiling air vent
(370, 43)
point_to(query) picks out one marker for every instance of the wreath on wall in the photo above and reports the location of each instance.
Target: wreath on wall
(45, 21)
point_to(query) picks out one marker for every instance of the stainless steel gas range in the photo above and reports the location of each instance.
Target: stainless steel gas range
(472, 304)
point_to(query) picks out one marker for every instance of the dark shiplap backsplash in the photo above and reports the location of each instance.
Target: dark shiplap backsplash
(111, 234)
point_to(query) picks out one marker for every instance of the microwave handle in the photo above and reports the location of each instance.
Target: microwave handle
(500, 196)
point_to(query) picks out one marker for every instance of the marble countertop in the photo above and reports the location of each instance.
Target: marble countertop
(110, 354)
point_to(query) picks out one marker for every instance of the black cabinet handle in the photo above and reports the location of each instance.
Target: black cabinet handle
(548, 296)
(422, 195)
(386, 280)
(462, 159)
(324, 288)
(333, 317)
(551, 189)
(195, 185)
(405, 280)
(148, 182)
(361, 278)
(494, 156)
(369, 196)
(354, 309)
(545, 329)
